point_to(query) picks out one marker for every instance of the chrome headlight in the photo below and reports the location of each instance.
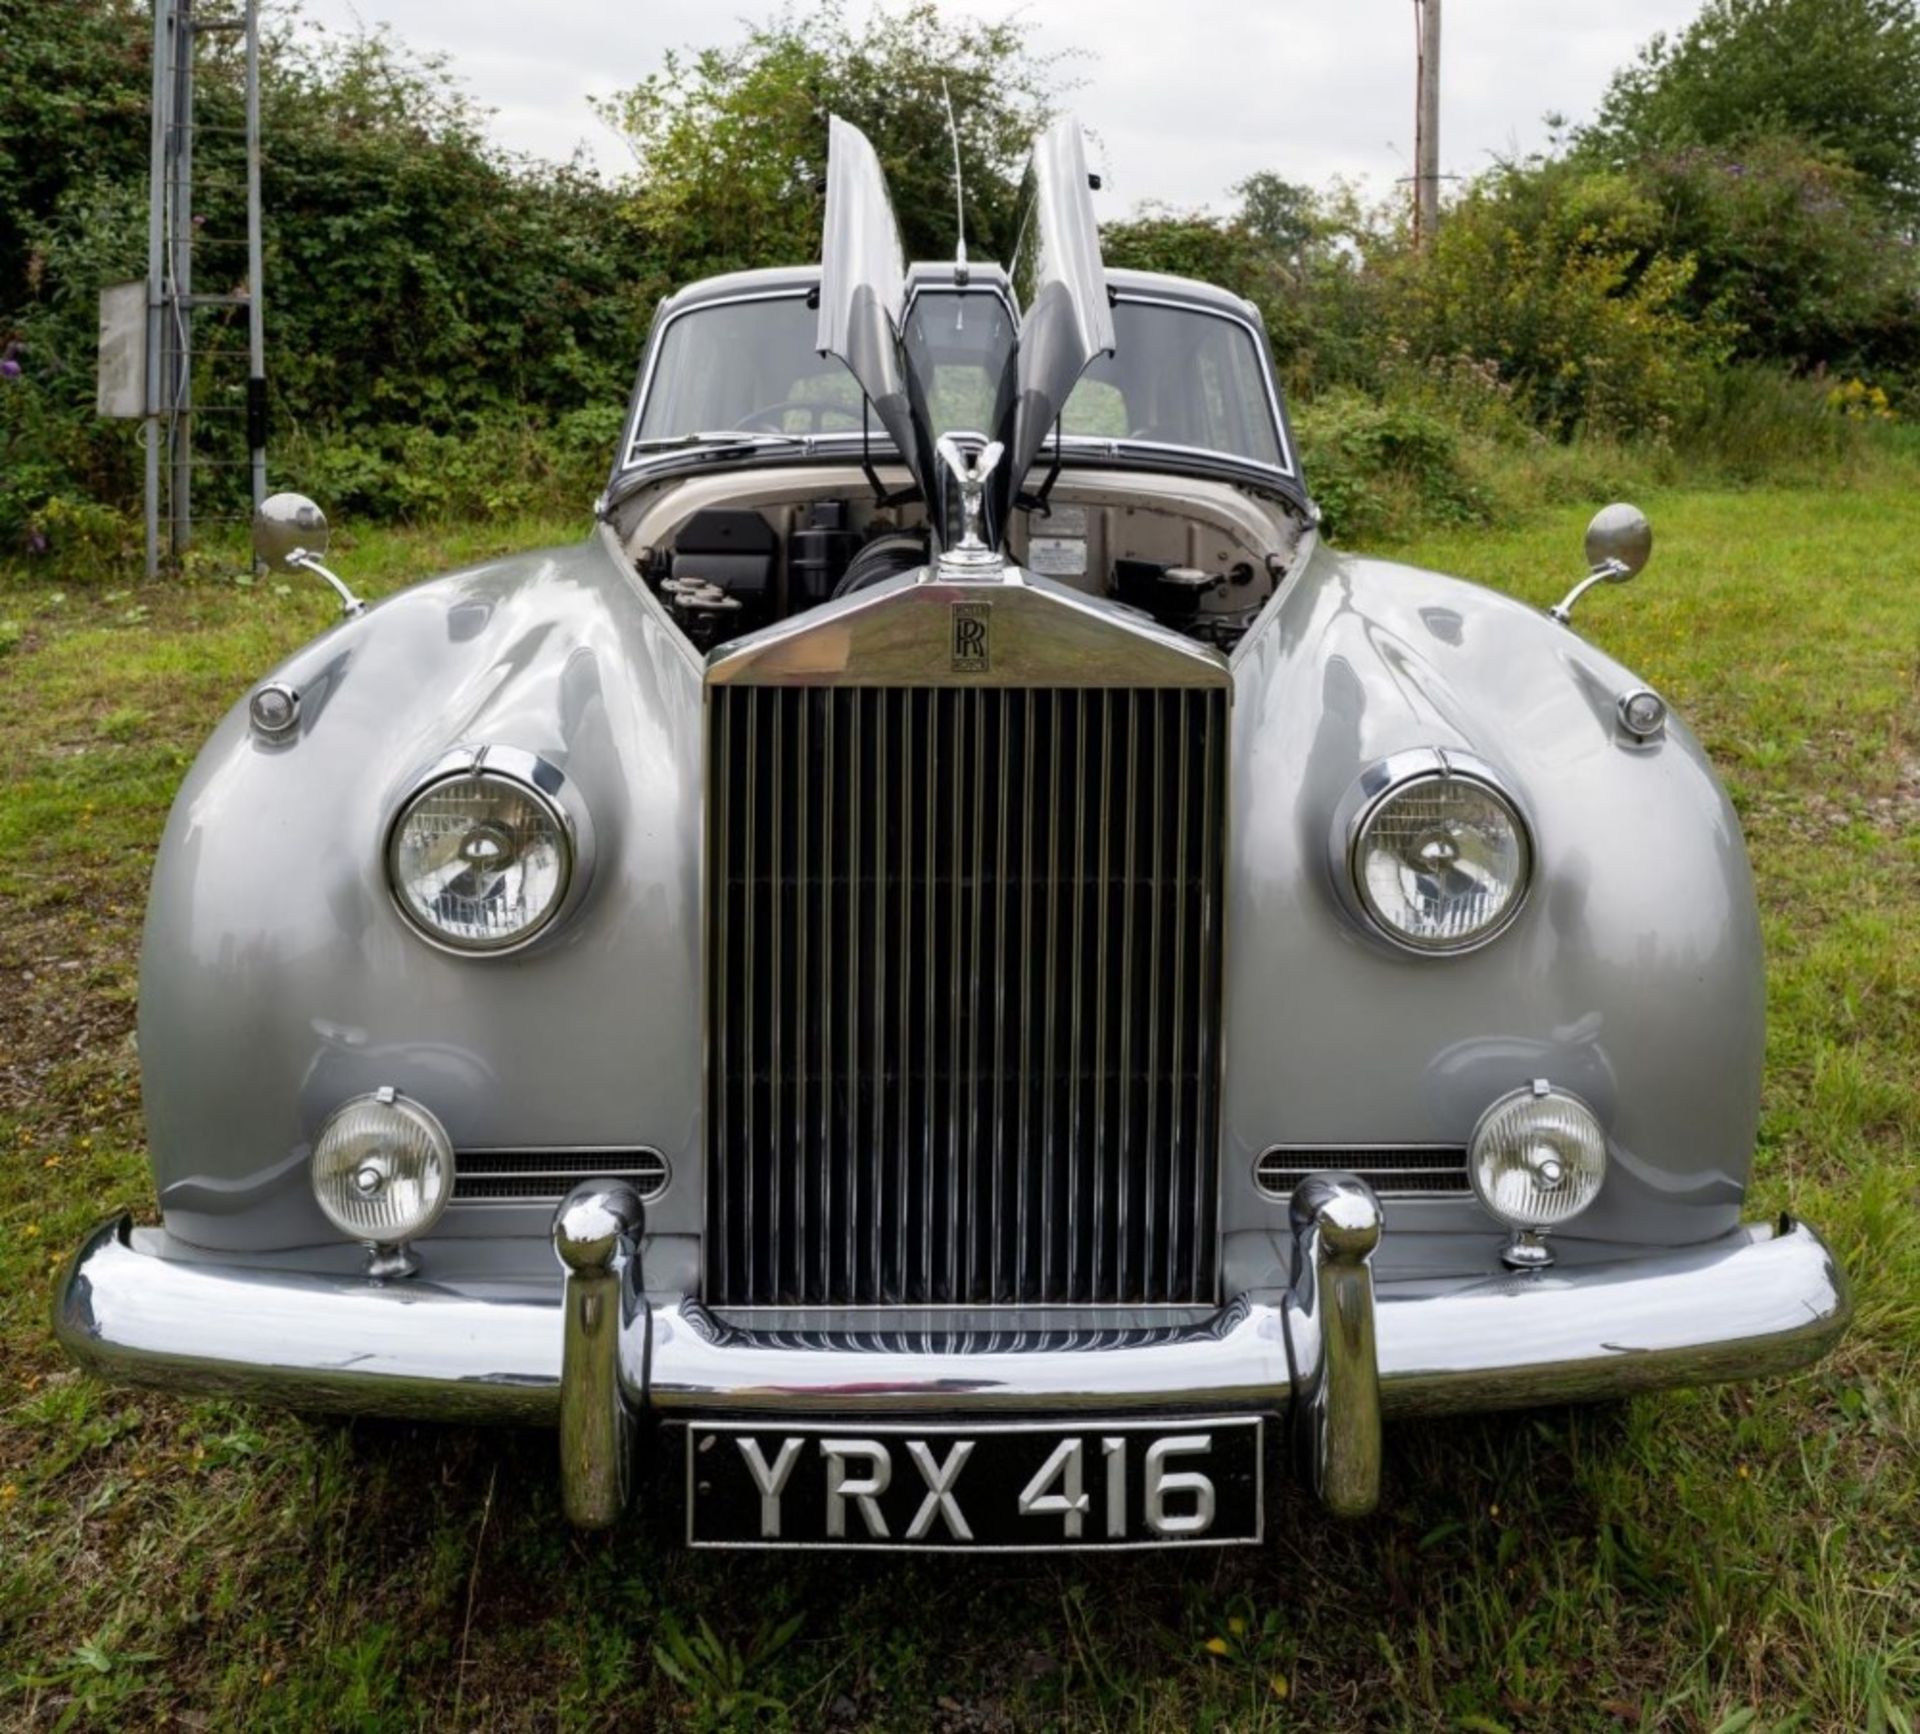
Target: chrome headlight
(480, 858)
(382, 1168)
(1439, 857)
(1537, 1158)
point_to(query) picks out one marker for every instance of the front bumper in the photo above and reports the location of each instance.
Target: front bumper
(597, 1357)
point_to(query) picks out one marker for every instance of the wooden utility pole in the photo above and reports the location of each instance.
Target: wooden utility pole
(1426, 148)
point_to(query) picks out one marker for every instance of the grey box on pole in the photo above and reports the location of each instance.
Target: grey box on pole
(122, 382)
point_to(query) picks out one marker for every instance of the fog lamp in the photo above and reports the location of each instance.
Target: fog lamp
(1536, 1159)
(382, 1169)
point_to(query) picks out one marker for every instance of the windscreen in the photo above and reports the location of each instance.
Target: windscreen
(747, 367)
(750, 367)
(1178, 376)
(958, 342)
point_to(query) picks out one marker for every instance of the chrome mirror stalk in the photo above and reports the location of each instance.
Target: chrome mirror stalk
(1619, 545)
(1330, 1339)
(597, 1236)
(290, 534)
(301, 561)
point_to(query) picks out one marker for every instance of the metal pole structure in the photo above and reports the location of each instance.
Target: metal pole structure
(156, 244)
(256, 272)
(1426, 163)
(181, 223)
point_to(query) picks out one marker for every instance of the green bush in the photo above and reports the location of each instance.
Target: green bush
(1378, 466)
(1758, 421)
(1791, 253)
(432, 302)
(453, 330)
(1552, 273)
(507, 463)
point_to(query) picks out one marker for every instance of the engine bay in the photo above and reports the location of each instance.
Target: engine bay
(727, 555)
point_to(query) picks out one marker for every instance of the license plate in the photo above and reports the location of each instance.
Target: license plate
(1002, 1487)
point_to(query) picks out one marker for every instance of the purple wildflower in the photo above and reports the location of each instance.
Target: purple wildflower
(9, 369)
(36, 542)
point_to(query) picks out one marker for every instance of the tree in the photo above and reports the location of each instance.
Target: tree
(731, 144)
(1842, 75)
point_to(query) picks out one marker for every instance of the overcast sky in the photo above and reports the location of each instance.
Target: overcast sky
(1185, 97)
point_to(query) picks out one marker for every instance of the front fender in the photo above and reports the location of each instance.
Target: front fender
(1633, 975)
(277, 978)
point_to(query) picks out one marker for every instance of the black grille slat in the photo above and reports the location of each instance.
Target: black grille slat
(547, 1176)
(965, 995)
(1392, 1170)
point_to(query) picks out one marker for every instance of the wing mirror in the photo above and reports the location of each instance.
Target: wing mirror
(1619, 545)
(289, 535)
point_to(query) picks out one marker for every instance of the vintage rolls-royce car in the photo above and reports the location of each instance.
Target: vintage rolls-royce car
(1028, 994)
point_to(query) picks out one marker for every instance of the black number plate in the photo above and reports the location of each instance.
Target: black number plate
(998, 1487)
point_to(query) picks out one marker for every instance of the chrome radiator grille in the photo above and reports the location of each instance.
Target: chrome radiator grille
(964, 995)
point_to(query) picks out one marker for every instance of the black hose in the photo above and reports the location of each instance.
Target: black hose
(884, 557)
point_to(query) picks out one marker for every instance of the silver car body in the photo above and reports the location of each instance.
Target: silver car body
(278, 978)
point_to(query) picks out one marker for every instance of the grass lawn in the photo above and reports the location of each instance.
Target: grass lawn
(1737, 1559)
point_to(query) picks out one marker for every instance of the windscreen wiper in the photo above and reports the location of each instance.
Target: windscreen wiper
(721, 437)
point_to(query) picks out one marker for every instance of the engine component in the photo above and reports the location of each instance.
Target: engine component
(886, 556)
(733, 550)
(819, 553)
(1171, 594)
(705, 612)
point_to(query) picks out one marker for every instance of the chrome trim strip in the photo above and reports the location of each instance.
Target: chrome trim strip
(1764, 1299)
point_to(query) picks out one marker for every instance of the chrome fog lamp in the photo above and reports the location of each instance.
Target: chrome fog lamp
(382, 1172)
(1440, 859)
(480, 858)
(1537, 1159)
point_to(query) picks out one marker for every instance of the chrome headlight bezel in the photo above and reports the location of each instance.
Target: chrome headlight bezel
(1384, 782)
(534, 778)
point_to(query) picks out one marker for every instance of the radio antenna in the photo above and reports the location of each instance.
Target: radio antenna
(959, 191)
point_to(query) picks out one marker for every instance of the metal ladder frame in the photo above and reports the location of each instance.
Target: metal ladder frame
(171, 299)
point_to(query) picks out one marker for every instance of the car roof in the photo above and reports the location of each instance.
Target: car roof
(797, 279)
(940, 273)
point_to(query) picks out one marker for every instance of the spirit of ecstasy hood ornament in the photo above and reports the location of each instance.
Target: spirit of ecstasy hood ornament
(970, 557)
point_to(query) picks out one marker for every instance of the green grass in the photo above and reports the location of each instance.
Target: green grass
(1733, 1559)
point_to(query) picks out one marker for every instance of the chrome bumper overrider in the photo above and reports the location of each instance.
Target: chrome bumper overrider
(1332, 1351)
